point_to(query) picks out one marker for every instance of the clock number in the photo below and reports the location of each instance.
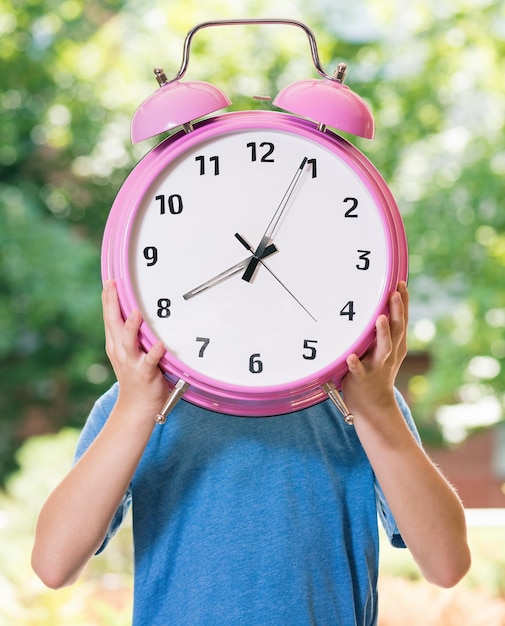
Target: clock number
(313, 162)
(174, 203)
(352, 212)
(151, 255)
(363, 256)
(164, 305)
(268, 151)
(309, 345)
(213, 159)
(255, 364)
(348, 310)
(205, 342)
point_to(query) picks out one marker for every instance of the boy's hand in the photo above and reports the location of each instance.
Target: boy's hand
(141, 381)
(369, 384)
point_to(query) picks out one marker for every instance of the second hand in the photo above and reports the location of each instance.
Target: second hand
(248, 247)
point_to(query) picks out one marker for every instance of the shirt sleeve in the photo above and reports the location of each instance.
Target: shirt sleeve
(94, 424)
(385, 514)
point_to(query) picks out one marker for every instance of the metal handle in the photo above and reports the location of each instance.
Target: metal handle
(339, 74)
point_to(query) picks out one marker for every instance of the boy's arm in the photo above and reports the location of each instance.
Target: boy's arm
(74, 520)
(426, 508)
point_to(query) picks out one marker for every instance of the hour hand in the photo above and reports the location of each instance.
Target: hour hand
(267, 250)
(260, 260)
(257, 256)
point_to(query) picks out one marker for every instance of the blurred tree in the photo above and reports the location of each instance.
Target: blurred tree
(73, 74)
(51, 359)
(440, 108)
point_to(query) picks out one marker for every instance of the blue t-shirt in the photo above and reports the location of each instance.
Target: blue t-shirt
(253, 521)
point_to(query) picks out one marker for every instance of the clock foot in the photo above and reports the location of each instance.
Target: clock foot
(175, 395)
(337, 400)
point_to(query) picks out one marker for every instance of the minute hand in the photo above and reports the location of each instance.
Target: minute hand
(265, 240)
(227, 273)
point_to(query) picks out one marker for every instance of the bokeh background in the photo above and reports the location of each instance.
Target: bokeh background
(71, 75)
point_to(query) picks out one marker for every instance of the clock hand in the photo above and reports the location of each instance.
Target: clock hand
(217, 279)
(227, 273)
(253, 263)
(260, 260)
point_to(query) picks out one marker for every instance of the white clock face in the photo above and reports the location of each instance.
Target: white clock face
(294, 202)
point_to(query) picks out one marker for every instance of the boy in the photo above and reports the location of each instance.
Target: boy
(253, 521)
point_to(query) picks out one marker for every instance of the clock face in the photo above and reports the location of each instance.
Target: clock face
(260, 251)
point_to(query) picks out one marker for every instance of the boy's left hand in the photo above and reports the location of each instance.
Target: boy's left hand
(369, 384)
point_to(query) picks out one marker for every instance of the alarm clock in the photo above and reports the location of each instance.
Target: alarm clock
(260, 246)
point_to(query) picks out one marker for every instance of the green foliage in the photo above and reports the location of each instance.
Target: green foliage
(447, 172)
(51, 356)
(73, 74)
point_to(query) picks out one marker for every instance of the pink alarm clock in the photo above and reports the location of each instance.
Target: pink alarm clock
(260, 246)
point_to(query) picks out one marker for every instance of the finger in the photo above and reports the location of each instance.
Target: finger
(405, 299)
(355, 366)
(384, 342)
(404, 294)
(111, 311)
(130, 333)
(398, 318)
(155, 354)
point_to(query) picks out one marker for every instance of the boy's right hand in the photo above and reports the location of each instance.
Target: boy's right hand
(141, 381)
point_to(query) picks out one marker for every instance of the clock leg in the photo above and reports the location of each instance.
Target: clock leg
(337, 400)
(175, 395)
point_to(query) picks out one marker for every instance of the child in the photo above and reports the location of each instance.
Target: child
(253, 521)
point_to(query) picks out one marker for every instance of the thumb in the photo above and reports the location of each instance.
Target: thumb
(354, 365)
